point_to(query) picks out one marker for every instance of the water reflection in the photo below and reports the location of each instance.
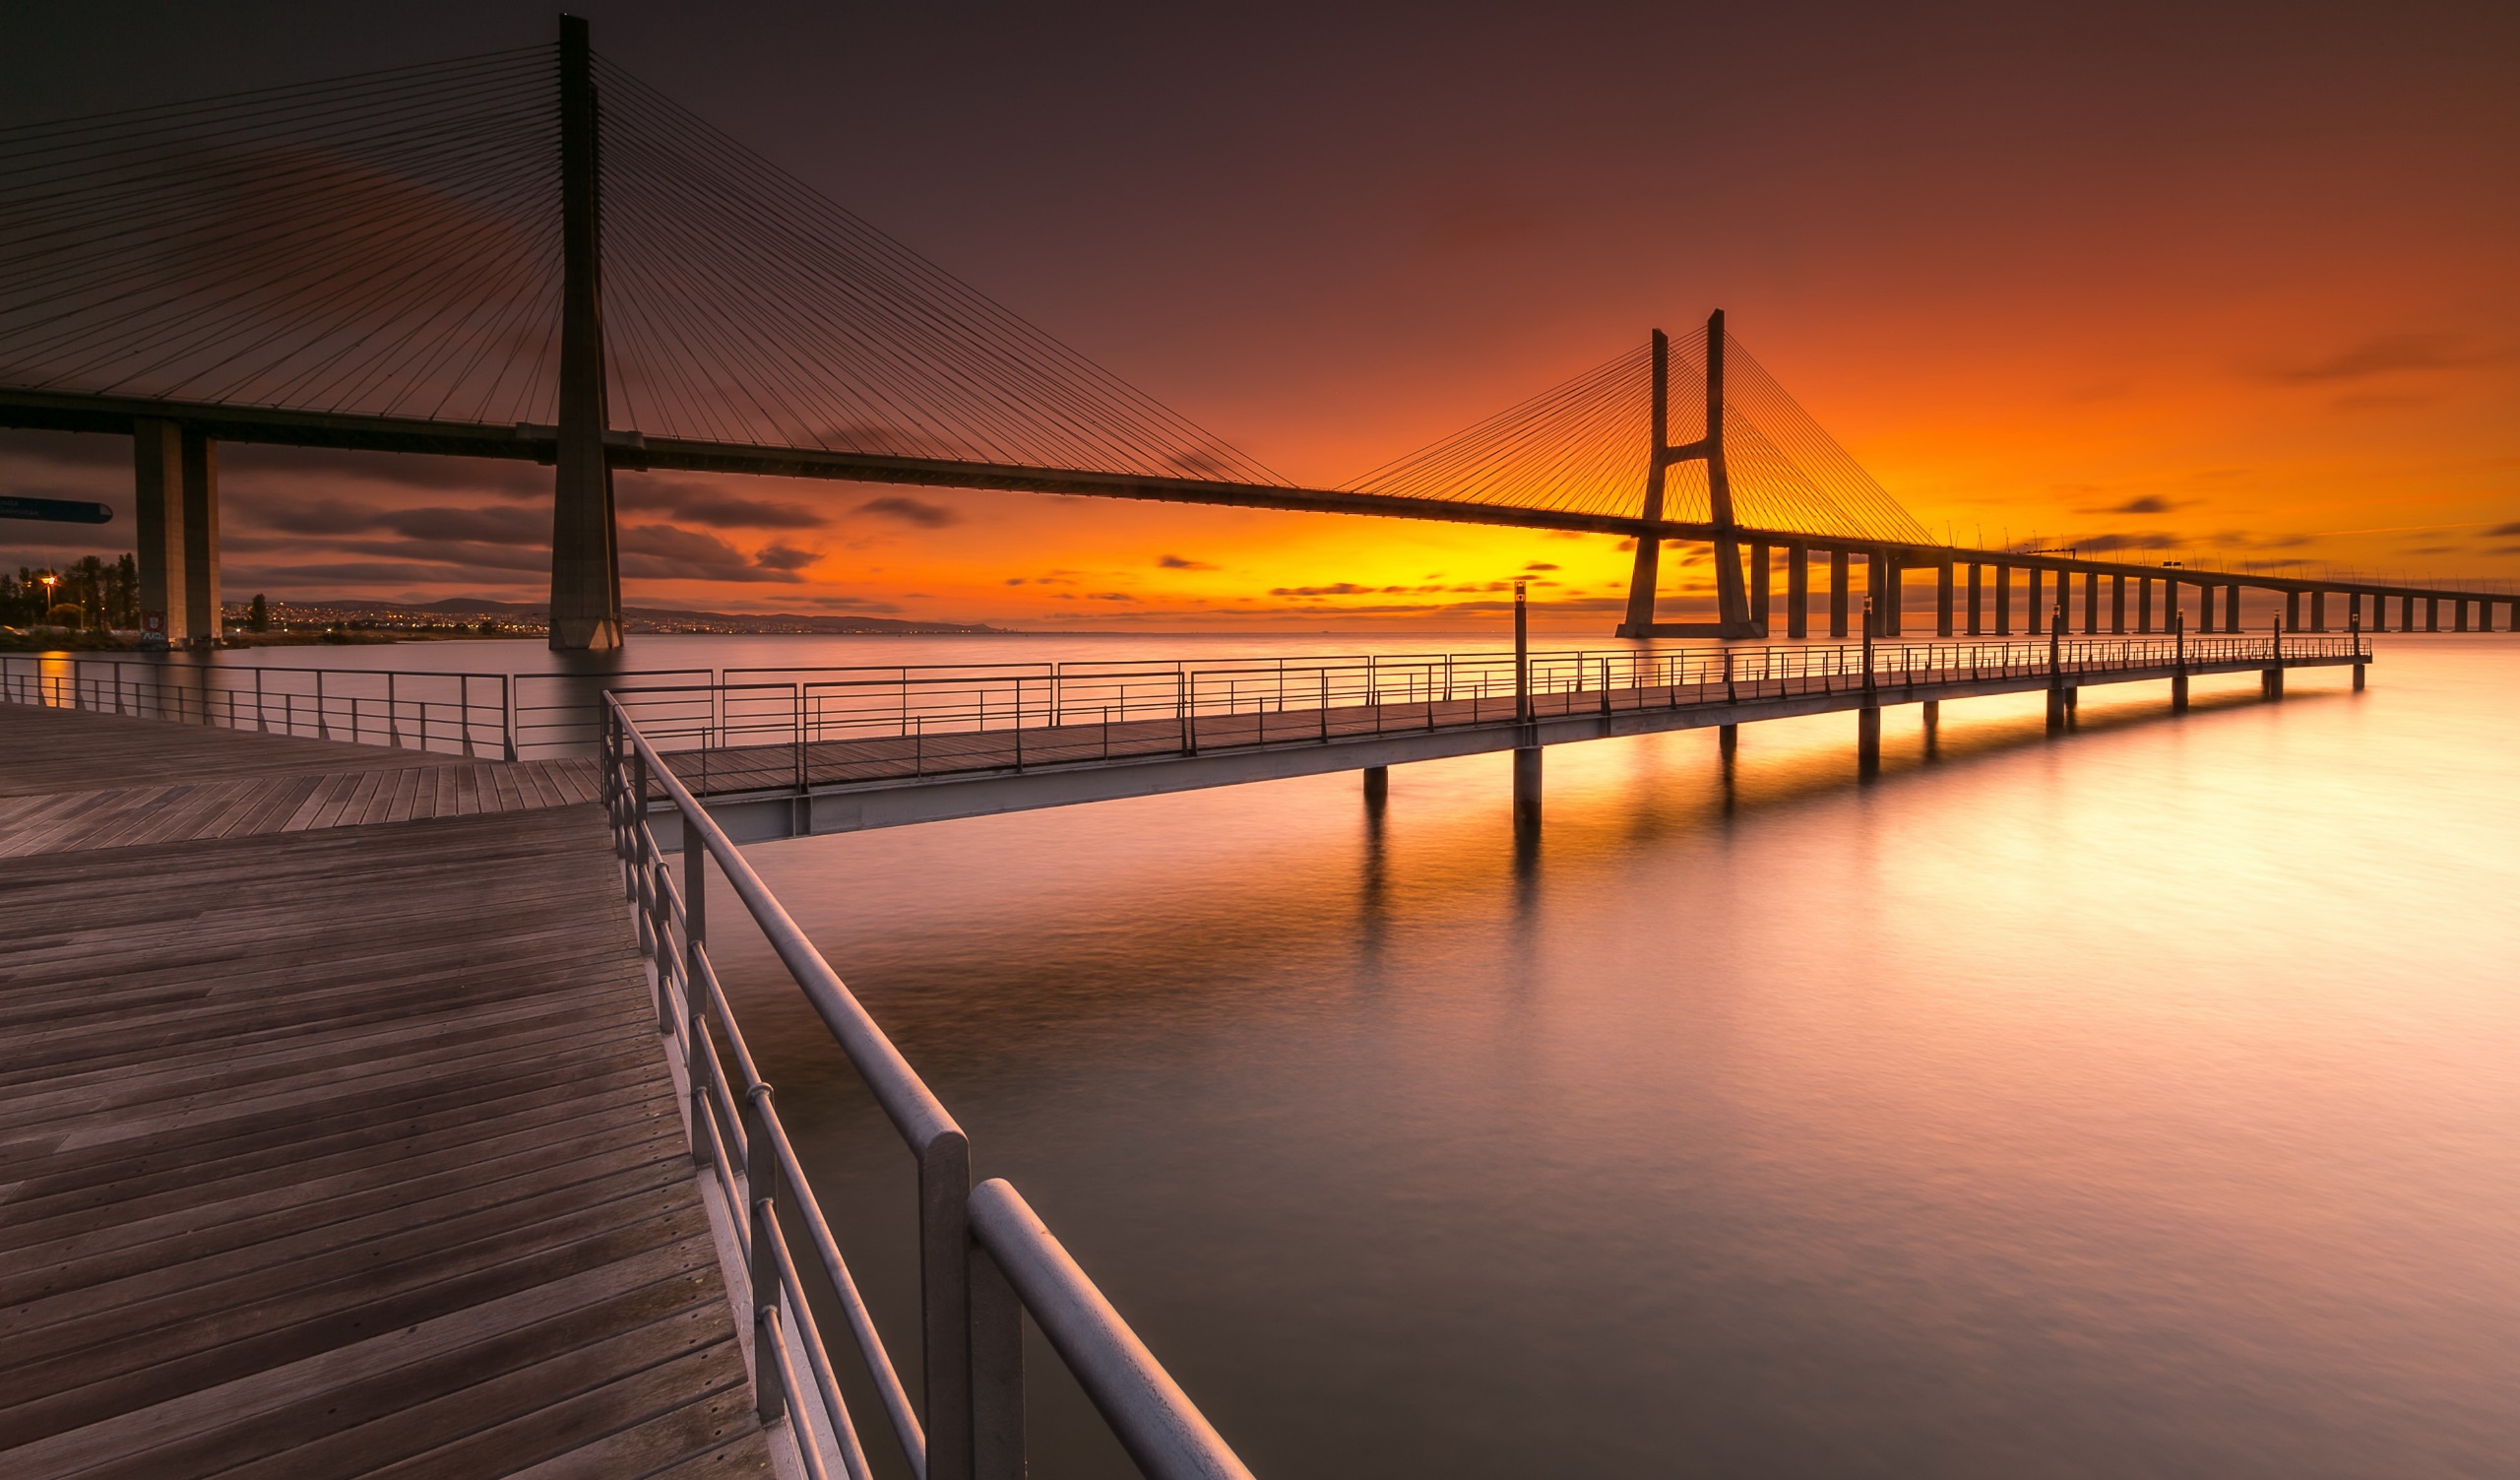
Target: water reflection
(2135, 1103)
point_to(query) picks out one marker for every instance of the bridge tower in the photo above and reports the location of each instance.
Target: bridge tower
(586, 558)
(1733, 616)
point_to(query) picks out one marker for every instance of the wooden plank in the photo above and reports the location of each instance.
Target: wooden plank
(287, 1184)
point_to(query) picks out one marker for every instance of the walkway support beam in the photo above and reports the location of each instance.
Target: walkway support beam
(586, 564)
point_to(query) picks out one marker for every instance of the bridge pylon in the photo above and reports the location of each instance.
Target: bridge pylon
(1733, 616)
(586, 557)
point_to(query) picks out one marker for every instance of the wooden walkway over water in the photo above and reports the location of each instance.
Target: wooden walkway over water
(335, 1133)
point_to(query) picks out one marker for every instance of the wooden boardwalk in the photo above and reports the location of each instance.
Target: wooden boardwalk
(342, 1148)
(71, 780)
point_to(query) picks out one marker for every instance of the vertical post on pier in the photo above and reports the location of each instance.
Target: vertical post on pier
(2359, 665)
(1837, 593)
(2004, 601)
(1942, 598)
(586, 564)
(1797, 591)
(2055, 665)
(1526, 736)
(2178, 666)
(1868, 720)
(1976, 598)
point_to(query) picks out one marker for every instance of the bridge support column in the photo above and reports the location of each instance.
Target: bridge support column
(2270, 682)
(2004, 601)
(2405, 614)
(1877, 571)
(2169, 606)
(586, 564)
(1377, 787)
(2091, 603)
(1976, 598)
(2179, 693)
(2432, 614)
(1759, 579)
(2143, 603)
(1797, 591)
(2055, 708)
(2291, 611)
(1837, 593)
(2037, 604)
(1934, 721)
(2358, 675)
(2231, 610)
(156, 467)
(2458, 616)
(2318, 610)
(1867, 739)
(2117, 605)
(1942, 598)
(1525, 790)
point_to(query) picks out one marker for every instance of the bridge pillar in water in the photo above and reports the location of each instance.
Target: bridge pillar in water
(2179, 693)
(2405, 614)
(1837, 593)
(2037, 603)
(1728, 741)
(2291, 611)
(1867, 739)
(1942, 598)
(2459, 614)
(2231, 610)
(1525, 790)
(2055, 707)
(2169, 606)
(1932, 714)
(586, 562)
(2004, 601)
(176, 483)
(1976, 598)
(1377, 787)
(2117, 605)
(2318, 610)
(2143, 603)
(1759, 580)
(1797, 591)
(2270, 682)
(1876, 579)
(2432, 614)
(2091, 603)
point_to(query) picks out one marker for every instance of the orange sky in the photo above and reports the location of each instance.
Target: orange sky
(2231, 282)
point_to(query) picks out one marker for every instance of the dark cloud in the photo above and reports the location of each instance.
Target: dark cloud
(1344, 588)
(667, 551)
(2103, 544)
(2150, 504)
(1179, 562)
(719, 509)
(910, 511)
(2503, 531)
(779, 556)
(1539, 565)
(2382, 354)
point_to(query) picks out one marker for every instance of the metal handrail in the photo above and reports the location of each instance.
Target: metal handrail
(968, 1238)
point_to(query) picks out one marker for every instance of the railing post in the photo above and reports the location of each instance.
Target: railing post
(998, 1372)
(695, 920)
(945, 1315)
(507, 715)
(761, 1179)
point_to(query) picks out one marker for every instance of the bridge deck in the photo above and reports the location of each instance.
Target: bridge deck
(347, 1150)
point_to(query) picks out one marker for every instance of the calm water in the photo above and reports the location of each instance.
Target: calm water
(2140, 1103)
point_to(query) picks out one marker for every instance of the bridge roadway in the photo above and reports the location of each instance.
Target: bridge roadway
(811, 786)
(335, 1134)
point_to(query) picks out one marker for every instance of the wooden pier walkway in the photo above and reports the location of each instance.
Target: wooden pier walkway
(335, 1133)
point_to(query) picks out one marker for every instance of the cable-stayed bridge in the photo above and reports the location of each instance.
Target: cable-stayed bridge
(532, 254)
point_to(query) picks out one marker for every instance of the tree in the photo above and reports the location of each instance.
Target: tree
(258, 616)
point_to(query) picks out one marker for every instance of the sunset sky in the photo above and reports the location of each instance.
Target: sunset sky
(2228, 282)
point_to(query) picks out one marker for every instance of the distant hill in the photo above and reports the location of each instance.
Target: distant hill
(665, 618)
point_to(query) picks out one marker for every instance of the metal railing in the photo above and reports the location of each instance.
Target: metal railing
(463, 714)
(1100, 709)
(985, 1258)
